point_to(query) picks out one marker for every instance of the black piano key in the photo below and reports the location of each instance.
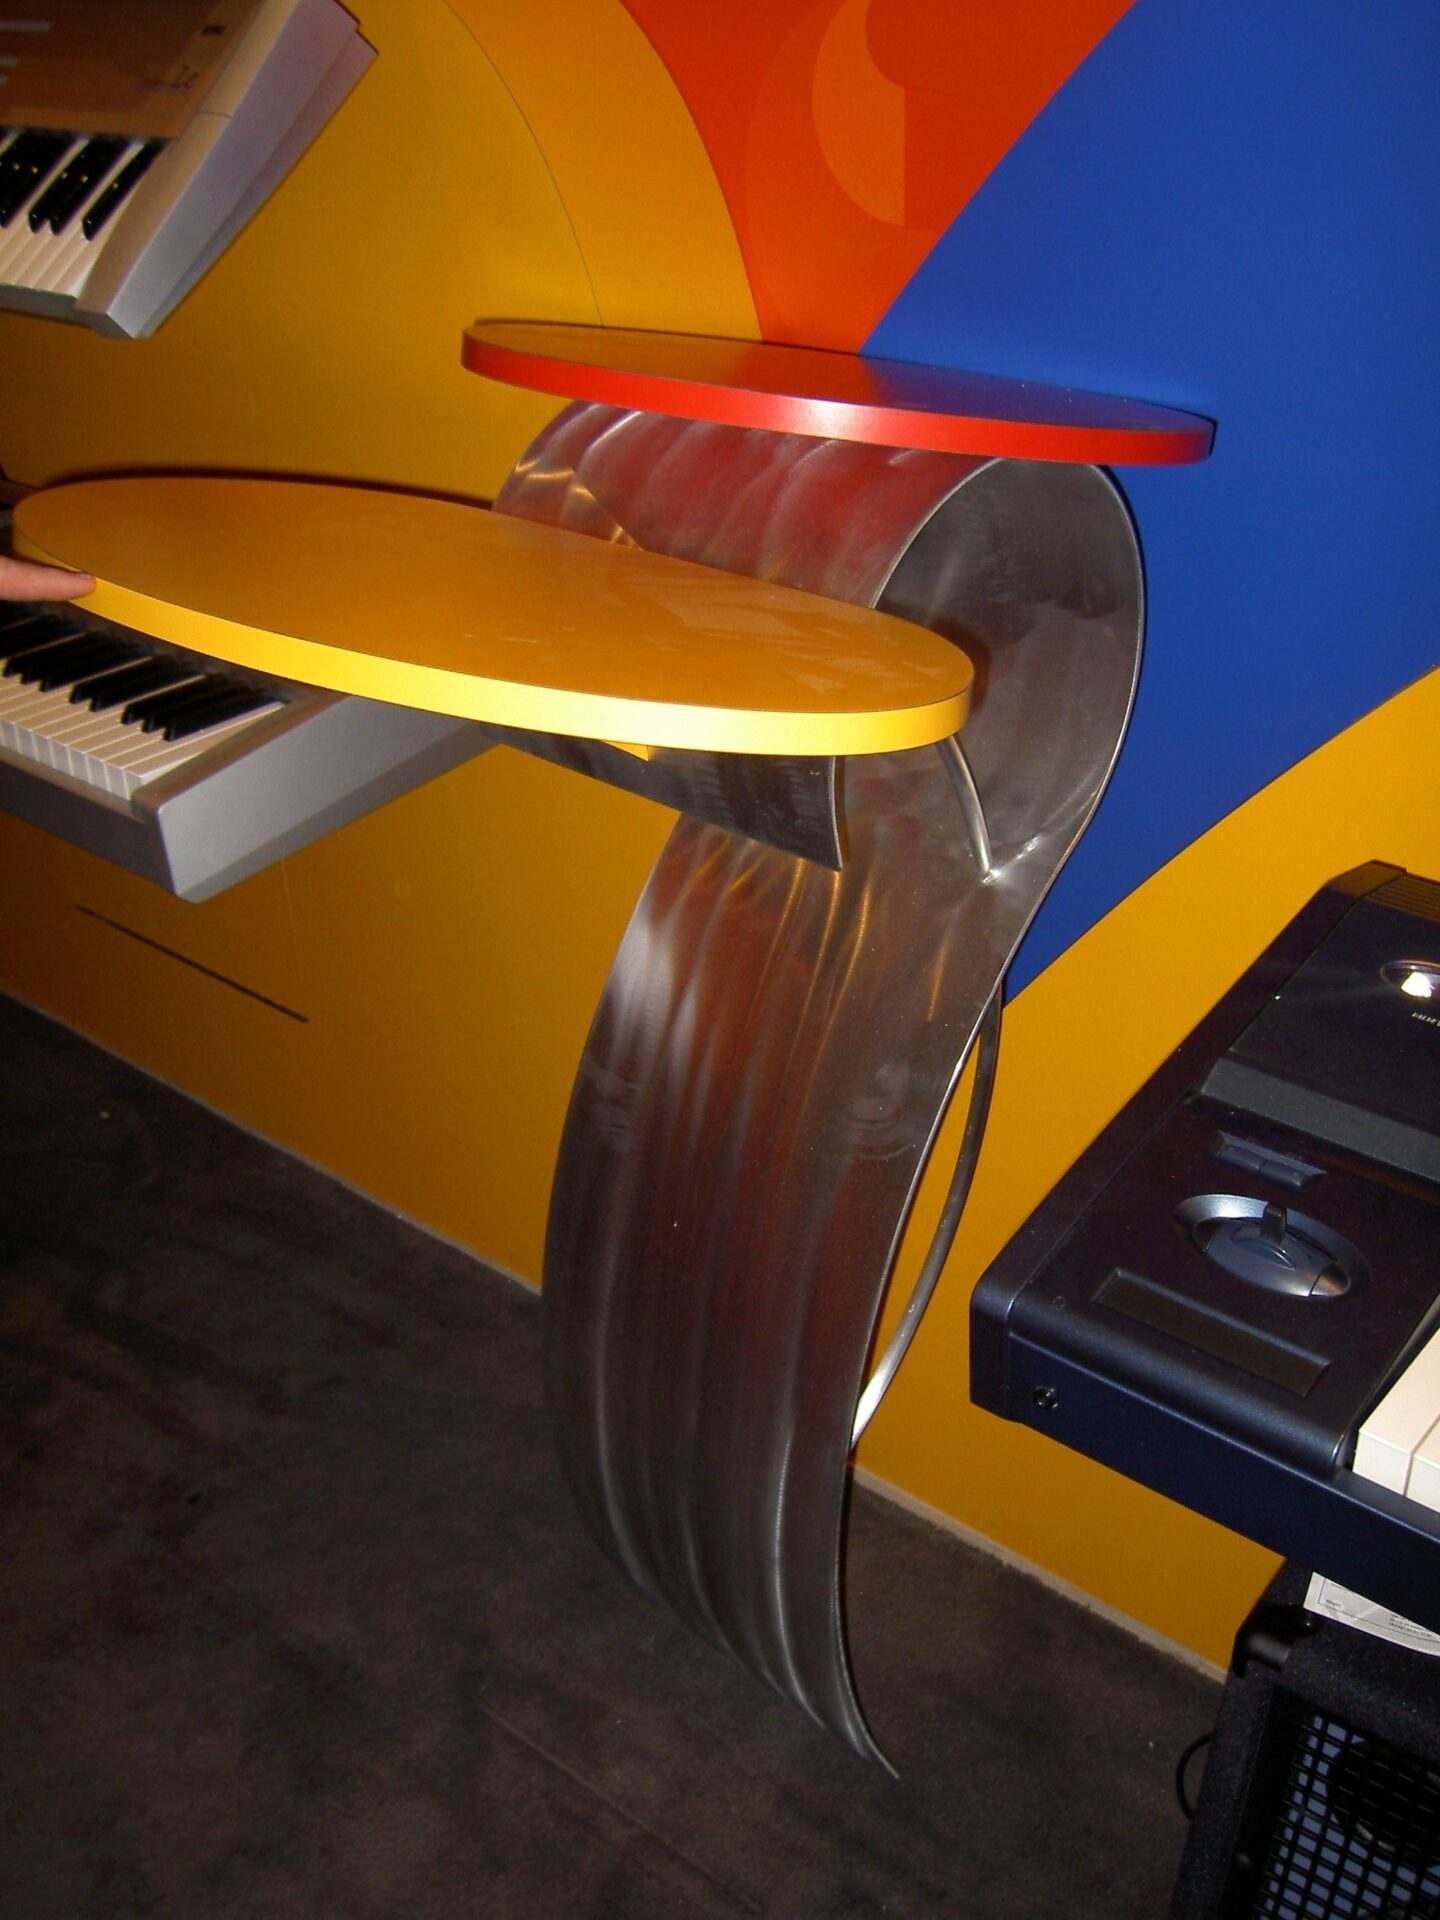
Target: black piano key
(17, 666)
(19, 633)
(74, 184)
(29, 142)
(201, 698)
(224, 706)
(28, 161)
(151, 675)
(50, 615)
(18, 164)
(45, 661)
(155, 709)
(104, 653)
(22, 638)
(14, 613)
(130, 175)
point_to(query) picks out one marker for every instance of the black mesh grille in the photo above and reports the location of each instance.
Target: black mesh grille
(1358, 1832)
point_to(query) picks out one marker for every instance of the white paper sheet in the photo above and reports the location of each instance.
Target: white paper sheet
(1335, 1602)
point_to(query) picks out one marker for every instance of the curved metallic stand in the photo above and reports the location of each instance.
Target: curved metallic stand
(779, 1041)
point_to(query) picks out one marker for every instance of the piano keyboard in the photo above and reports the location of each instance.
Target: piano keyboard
(58, 196)
(106, 711)
(174, 766)
(1398, 1446)
(112, 227)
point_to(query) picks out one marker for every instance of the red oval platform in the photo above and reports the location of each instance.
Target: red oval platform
(842, 396)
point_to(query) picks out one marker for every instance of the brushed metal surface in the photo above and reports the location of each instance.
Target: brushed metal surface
(787, 801)
(747, 508)
(778, 1043)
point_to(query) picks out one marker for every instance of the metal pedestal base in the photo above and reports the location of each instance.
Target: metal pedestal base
(779, 1041)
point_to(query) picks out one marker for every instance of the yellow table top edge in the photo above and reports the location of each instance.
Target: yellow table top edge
(516, 703)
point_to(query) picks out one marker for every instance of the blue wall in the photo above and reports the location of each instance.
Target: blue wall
(1231, 208)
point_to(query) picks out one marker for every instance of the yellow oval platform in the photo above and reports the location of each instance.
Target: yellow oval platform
(428, 603)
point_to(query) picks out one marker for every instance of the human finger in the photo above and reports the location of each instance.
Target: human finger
(28, 580)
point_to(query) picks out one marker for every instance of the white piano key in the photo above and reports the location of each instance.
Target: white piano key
(92, 762)
(64, 265)
(87, 752)
(1403, 1421)
(8, 736)
(77, 715)
(165, 755)
(279, 79)
(26, 710)
(57, 265)
(84, 722)
(19, 702)
(70, 255)
(116, 758)
(18, 244)
(65, 275)
(60, 272)
(102, 750)
(36, 728)
(96, 764)
(1424, 1484)
(20, 240)
(13, 691)
(138, 748)
(80, 743)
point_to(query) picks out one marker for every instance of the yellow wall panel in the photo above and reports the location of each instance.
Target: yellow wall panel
(454, 947)
(628, 161)
(35, 925)
(448, 955)
(244, 936)
(187, 1023)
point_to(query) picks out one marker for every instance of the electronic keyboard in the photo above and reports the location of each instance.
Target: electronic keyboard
(1234, 1294)
(1398, 1446)
(177, 767)
(136, 140)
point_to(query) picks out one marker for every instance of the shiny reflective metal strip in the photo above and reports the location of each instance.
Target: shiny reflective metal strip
(778, 1043)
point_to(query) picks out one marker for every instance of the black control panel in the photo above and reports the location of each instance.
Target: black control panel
(1231, 1277)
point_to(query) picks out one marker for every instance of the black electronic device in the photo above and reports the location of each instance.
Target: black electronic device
(1230, 1281)
(1321, 1791)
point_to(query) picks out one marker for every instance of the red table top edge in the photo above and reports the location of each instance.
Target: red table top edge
(746, 383)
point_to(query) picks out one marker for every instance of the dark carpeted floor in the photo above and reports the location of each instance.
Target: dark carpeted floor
(296, 1619)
